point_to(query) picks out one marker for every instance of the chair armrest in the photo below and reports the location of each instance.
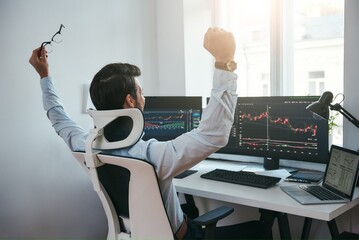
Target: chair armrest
(213, 216)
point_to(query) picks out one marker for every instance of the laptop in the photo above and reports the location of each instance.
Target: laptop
(339, 180)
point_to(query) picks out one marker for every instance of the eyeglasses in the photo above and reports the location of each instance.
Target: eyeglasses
(57, 38)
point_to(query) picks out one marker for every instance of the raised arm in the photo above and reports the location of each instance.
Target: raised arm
(185, 151)
(73, 135)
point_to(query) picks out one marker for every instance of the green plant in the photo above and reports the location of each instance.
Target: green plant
(332, 123)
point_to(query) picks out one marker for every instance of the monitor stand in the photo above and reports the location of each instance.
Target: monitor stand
(271, 163)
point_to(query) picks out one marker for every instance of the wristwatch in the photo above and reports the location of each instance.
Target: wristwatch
(228, 66)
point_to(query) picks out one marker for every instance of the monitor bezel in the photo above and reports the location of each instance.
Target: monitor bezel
(276, 156)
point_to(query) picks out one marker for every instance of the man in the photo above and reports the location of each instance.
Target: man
(115, 86)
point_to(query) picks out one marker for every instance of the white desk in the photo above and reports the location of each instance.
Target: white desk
(271, 199)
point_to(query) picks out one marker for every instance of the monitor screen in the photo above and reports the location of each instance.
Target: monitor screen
(278, 128)
(167, 117)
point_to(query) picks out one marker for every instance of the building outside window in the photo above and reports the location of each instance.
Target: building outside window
(291, 47)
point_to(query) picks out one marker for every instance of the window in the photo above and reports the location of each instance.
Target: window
(298, 44)
(316, 74)
(316, 82)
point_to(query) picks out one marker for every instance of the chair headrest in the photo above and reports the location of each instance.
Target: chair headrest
(103, 118)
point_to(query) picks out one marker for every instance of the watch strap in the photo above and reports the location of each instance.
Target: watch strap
(228, 66)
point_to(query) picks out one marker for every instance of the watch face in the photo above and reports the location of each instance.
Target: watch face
(231, 65)
(228, 66)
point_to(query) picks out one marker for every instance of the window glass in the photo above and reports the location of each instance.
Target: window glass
(318, 52)
(249, 22)
(305, 56)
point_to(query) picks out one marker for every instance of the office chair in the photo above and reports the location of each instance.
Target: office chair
(127, 187)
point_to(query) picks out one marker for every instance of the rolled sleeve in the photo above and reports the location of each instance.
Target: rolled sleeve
(73, 135)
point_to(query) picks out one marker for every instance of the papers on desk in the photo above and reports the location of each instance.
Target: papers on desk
(207, 166)
(281, 173)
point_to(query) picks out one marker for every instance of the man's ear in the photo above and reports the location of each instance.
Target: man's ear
(130, 102)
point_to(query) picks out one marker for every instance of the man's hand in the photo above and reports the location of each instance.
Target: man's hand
(220, 44)
(38, 60)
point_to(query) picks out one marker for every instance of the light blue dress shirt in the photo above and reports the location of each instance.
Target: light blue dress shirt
(171, 157)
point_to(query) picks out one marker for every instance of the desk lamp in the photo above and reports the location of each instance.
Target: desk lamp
(321, 107)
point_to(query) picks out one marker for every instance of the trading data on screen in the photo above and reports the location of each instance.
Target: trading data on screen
(166, 125)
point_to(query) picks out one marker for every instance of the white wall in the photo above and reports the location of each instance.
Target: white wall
(351, 83)
(185, 67)
(43, 192)
(170, 48)
(351, 73)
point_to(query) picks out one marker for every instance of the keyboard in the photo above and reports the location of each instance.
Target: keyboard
(241, 178)
(320, 192)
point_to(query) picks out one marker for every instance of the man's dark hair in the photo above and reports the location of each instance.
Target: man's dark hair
(112, 83)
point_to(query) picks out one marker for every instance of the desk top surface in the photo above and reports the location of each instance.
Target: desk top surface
(272, 199)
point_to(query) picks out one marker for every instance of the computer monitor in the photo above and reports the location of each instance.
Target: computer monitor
(167, 117)
(276, 128)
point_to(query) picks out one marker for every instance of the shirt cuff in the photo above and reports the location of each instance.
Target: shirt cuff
(225, 80)
(45, 82)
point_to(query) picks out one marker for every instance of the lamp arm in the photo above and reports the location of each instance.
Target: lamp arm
(345, 113)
